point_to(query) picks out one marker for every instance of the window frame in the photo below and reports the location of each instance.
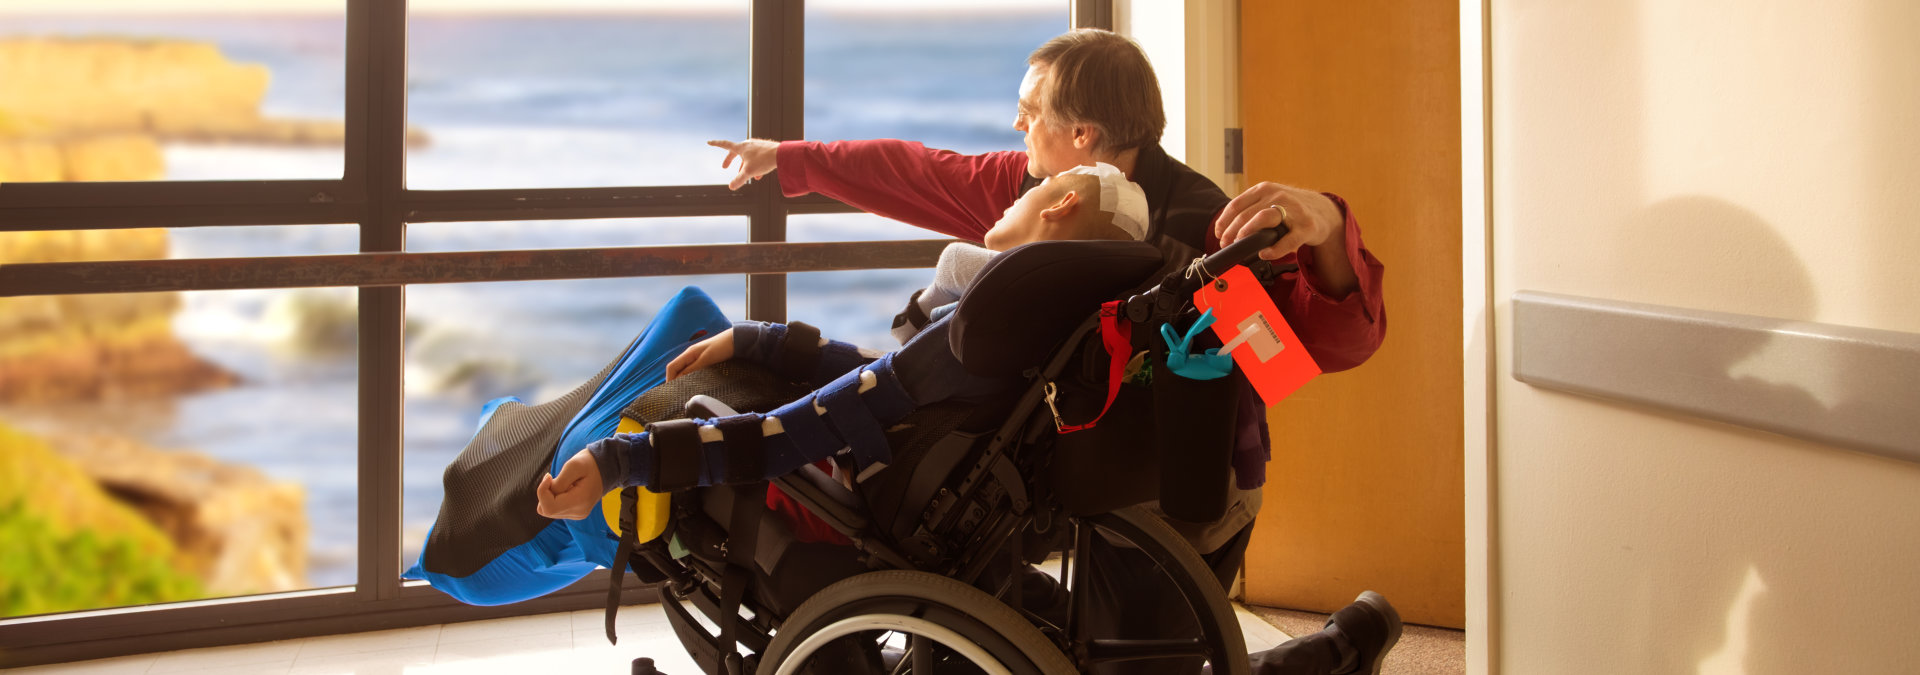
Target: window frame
(372, 194)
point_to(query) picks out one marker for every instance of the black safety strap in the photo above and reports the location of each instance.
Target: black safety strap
(622, 555)
(913, 315)
(743, 536)
(676, 454)
(746, 448)
(799, 352)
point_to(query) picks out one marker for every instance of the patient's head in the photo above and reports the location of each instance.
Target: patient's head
(1084, 202)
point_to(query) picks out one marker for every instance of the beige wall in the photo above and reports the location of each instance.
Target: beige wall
(1727, 155)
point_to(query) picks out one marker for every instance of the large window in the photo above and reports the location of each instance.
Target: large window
(260, 263)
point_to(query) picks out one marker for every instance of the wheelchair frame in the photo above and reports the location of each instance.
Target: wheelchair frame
(970, 517)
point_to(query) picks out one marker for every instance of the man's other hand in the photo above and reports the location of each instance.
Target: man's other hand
(757, 158)
(572, 494)
(702, 354)
(1312, 219)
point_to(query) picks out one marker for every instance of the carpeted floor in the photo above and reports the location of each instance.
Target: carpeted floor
(1422, 650)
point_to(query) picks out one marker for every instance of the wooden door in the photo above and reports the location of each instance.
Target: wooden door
(1365, 490)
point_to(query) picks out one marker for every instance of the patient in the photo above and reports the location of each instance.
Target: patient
(856, 397)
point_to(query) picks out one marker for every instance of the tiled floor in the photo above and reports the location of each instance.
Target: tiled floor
(573, 642)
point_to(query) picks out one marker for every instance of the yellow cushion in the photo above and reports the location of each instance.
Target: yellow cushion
(650, 517)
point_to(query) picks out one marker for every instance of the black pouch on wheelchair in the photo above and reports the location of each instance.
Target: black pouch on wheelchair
(1194, 429)
(1111, 465)
(1169, 439)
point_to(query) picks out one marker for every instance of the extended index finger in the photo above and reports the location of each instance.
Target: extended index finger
(732, 148)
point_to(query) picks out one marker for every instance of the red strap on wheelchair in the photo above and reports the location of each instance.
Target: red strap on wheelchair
(1117, 335)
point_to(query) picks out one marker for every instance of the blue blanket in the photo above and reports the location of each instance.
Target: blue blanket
(563, 551)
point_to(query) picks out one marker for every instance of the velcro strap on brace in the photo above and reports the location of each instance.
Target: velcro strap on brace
(888, 398)
(746, 460)
(912, 317)
(810, 436)
(676, 454)
(799, 352)
(849, 415)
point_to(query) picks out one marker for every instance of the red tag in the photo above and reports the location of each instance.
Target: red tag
(1266, 348)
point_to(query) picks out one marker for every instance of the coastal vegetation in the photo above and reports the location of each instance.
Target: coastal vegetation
(70, 545)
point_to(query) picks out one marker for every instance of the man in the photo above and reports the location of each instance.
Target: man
(1090, 96)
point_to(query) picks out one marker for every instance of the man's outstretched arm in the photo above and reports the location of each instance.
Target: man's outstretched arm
(947, 192)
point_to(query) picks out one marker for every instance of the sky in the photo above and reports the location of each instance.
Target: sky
(337, 6)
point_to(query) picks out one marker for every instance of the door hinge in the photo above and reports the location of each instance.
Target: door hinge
(1235, 159)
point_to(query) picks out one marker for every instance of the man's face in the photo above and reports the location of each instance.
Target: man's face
(1050, 148)
(1021, 223)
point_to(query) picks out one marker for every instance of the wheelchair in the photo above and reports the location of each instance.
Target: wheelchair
(932, 575)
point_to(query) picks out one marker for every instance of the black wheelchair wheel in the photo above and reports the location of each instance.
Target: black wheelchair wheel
(1145, 536)
(967, 625)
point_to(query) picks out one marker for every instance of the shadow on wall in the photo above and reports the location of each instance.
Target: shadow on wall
(1739, 562)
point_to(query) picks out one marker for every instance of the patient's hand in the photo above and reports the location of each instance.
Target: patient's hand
(702, 354)
(757, 158)
(573, 494)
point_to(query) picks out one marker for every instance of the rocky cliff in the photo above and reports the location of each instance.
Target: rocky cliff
(97, 109)
(70, 545)
(90, 347)
(92, 520)
(237, 531)
(165, 89)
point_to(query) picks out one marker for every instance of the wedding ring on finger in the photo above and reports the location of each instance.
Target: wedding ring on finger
(1281, 209)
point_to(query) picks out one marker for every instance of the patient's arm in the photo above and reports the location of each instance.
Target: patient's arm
(850, 413)
(573, 493)
(701, 354)
(796, 351)
(815, 361)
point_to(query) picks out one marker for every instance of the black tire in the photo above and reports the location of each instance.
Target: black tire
(867, 601)
(1220, 632)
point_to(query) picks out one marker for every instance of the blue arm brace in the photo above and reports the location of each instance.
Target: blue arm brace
(853, 420)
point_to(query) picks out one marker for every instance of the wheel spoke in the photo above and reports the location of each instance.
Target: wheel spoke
(920, 649)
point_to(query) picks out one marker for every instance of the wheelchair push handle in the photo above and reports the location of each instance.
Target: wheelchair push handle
(1245, 250)
(1165, 300)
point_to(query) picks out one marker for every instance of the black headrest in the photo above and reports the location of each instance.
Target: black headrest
(1027, 300)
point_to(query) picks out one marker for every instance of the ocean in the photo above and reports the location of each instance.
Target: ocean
(518, 102)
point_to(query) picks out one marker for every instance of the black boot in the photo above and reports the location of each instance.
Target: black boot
(1370, 627)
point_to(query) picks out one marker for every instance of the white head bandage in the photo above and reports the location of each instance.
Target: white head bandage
(1121, 197)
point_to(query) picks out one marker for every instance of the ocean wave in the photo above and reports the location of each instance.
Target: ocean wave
(291, 322)
(455, 362)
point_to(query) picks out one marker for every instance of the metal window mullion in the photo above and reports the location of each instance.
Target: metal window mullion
(395, 269)
(173, 194)
(381, 83)
(1090, 14)
(776, 73)
(55, 218)
(672, 201)
(110, 633)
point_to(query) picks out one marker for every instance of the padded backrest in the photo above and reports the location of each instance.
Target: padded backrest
(1029, 299)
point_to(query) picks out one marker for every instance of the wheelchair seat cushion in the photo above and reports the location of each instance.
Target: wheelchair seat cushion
(1029, 299)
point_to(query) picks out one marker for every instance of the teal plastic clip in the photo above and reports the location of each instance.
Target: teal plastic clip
(1208, 365)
